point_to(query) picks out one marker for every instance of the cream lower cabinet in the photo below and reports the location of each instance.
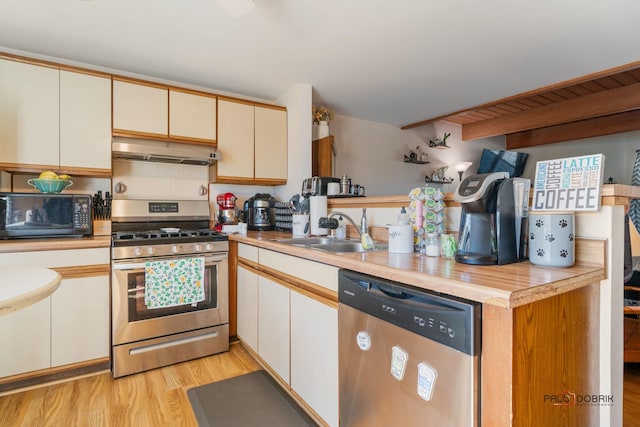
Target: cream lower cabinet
(80, 320)
(71, 325)
(314, 355)
(26, 339)
(273, 326)
(297, 331)
(247, 284)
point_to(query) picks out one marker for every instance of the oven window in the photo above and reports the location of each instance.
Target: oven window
(139, 311)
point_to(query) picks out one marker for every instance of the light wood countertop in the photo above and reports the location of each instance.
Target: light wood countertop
(505, 286)
(52, 244)
(21, 286)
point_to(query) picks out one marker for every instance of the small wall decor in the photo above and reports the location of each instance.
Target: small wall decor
(439, 176)
(417, 156)
(440, 143)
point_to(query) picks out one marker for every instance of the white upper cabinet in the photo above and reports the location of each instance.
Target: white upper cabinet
(253, 142)
(270, 143)
(235, 140)
(85, 121)
(29, 114)
(140, 109)
(192, 116)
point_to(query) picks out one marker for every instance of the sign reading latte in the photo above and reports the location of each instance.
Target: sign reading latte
(571, 184)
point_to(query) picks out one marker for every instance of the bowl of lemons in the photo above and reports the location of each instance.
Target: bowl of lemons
(50, 182)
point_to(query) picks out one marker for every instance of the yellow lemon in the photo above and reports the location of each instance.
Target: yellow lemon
(64, 176)
(48, 175)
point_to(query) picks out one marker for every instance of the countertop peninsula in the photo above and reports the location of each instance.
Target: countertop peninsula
(506, 286)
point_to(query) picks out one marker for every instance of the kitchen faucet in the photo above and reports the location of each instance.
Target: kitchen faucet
(331, 223)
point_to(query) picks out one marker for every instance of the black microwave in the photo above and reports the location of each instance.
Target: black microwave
(36, 215)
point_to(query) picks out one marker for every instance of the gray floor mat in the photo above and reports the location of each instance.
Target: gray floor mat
(254, 399)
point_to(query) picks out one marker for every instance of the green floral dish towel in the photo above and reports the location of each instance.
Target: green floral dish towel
(174, 282)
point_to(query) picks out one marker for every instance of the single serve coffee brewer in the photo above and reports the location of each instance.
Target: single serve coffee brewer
(493, 221)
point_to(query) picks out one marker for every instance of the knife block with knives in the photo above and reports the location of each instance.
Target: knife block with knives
(101, 208)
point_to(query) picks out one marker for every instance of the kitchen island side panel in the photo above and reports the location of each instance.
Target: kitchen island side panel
(546, 372)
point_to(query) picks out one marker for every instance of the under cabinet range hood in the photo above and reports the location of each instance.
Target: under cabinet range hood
(163, 152)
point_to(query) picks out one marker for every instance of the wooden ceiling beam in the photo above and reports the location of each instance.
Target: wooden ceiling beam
(599, 126)
(589, 106)
(631, 67)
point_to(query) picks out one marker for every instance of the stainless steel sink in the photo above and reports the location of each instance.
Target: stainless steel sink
(306, 241)
(329, 244)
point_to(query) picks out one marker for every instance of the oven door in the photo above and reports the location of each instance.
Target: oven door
(133, 321)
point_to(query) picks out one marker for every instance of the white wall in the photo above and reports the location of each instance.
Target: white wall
(372, 154)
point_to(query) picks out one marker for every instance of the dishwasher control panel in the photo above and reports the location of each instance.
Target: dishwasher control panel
(449, 320)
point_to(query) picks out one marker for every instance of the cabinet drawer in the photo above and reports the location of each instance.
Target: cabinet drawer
(64, 258)
(248, 252)
(310, 271)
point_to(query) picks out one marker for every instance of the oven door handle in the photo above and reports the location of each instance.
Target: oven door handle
(129, 266)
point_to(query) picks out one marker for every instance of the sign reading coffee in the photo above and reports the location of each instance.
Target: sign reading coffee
(571, 184)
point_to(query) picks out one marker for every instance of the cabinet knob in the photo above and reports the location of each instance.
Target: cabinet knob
(202, 190)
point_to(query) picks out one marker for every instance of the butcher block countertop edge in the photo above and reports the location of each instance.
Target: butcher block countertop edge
(53, 244)
(506, 286)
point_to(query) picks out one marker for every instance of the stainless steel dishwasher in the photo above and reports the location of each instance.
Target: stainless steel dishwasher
(407, 357)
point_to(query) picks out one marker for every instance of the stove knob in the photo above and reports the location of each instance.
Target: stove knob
(137, 251)
(151, 250)
(198, 247)
(209, 247)
(175, 249)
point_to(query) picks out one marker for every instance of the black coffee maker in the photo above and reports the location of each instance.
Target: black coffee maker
(493, 222)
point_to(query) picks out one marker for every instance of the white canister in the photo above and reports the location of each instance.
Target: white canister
(300, 225)
(401, 239)
(317, 210)
(552, 238)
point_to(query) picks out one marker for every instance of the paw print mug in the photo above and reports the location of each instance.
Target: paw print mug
(552, 238)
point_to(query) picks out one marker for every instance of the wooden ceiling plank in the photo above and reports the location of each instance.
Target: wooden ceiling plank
(578, 90)
(608, 82)
(566, 93)
(597, 104)
(598, 126)
(625, 79)
(593, 86)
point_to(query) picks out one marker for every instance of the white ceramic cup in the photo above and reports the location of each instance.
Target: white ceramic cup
(300, 224)
(552, 239)
(333, 188)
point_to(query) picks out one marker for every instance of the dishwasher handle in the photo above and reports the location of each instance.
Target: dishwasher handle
(379, 289)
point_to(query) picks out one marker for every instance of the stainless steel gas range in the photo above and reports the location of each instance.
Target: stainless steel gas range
(159, 317)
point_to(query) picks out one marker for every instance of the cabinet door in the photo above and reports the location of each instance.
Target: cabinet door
(85, 121)
(314, 355)
(270, 143)
(192, 116)
(140, 109)
(235, 140)
(26, 339)
(29, 114)
(80, 320)
(273, 326)
(248, 307)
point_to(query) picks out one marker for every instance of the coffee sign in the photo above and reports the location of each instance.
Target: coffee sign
(571, 184)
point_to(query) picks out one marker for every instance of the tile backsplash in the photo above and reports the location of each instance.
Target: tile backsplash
(160, 181)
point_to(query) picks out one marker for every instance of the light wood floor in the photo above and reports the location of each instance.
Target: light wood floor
(154, 398)
(631, 415)
(158, 397)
